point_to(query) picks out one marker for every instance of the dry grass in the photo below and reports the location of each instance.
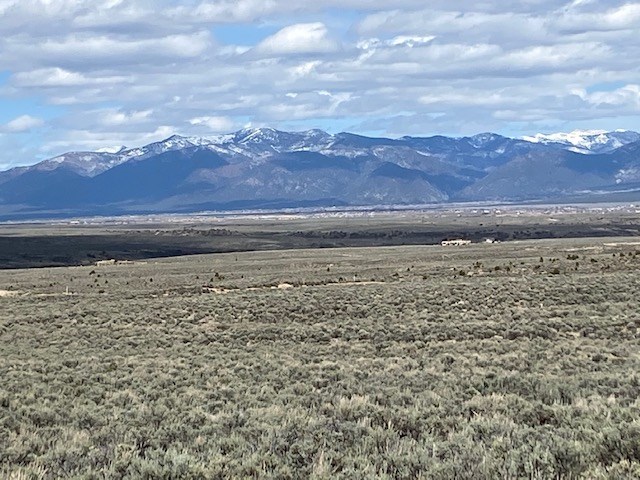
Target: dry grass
(433, 363)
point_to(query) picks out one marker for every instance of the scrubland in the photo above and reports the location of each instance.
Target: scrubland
(512, 360)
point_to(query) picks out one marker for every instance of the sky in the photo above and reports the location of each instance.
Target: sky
(86, 74)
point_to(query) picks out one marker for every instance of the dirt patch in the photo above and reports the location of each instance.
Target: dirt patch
(8, 293)
(281, 286)
(353, 283)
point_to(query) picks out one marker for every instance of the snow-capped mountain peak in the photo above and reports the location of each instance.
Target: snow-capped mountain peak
(263, 165)
(482, 139)
(114, 150)
(256, 135)
(587, 141)
(87, 164)
(175, 142)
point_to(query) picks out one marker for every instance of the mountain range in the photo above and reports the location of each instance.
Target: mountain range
(267, 168)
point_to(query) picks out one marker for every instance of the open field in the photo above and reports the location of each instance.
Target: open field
(65, 243)
(512, 360)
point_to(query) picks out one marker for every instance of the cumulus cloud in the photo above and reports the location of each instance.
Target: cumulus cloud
(118, 117)
(80, 139)
(128, 72)
(304, 69)
(21, 124)
(302, 38)
(230, 11)
(622, 17)
(629, 96)
(214, 124)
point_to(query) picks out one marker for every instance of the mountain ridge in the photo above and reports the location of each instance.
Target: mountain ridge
(263, 166)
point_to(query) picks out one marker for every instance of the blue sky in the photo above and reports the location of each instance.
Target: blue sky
(82, 74)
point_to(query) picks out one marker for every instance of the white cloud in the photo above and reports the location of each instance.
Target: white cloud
(557, 57)
(80, 139)
(410, 40)
(302, 38)
(304, 69)
(82, 51)
(23, 123)
(629, 96)
(623, 17)
(118, 117)
(441, 67)
(215, 124)
(455, 97)
(59, 77)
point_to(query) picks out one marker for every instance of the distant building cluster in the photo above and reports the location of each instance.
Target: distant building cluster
(455, 243)
(112, 261)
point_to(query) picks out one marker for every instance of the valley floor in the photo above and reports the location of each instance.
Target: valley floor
(511, 360)
(86, 241)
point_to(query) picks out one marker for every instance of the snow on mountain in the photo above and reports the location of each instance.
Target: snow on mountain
(483, 138)
(254, 139)
(266, 141)
(256, 134)
(252, 147)
(587, 141)
(312, 140)
(113, 150)
(87, 164)
(175, 142)
(91, 164)
(259, 166)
